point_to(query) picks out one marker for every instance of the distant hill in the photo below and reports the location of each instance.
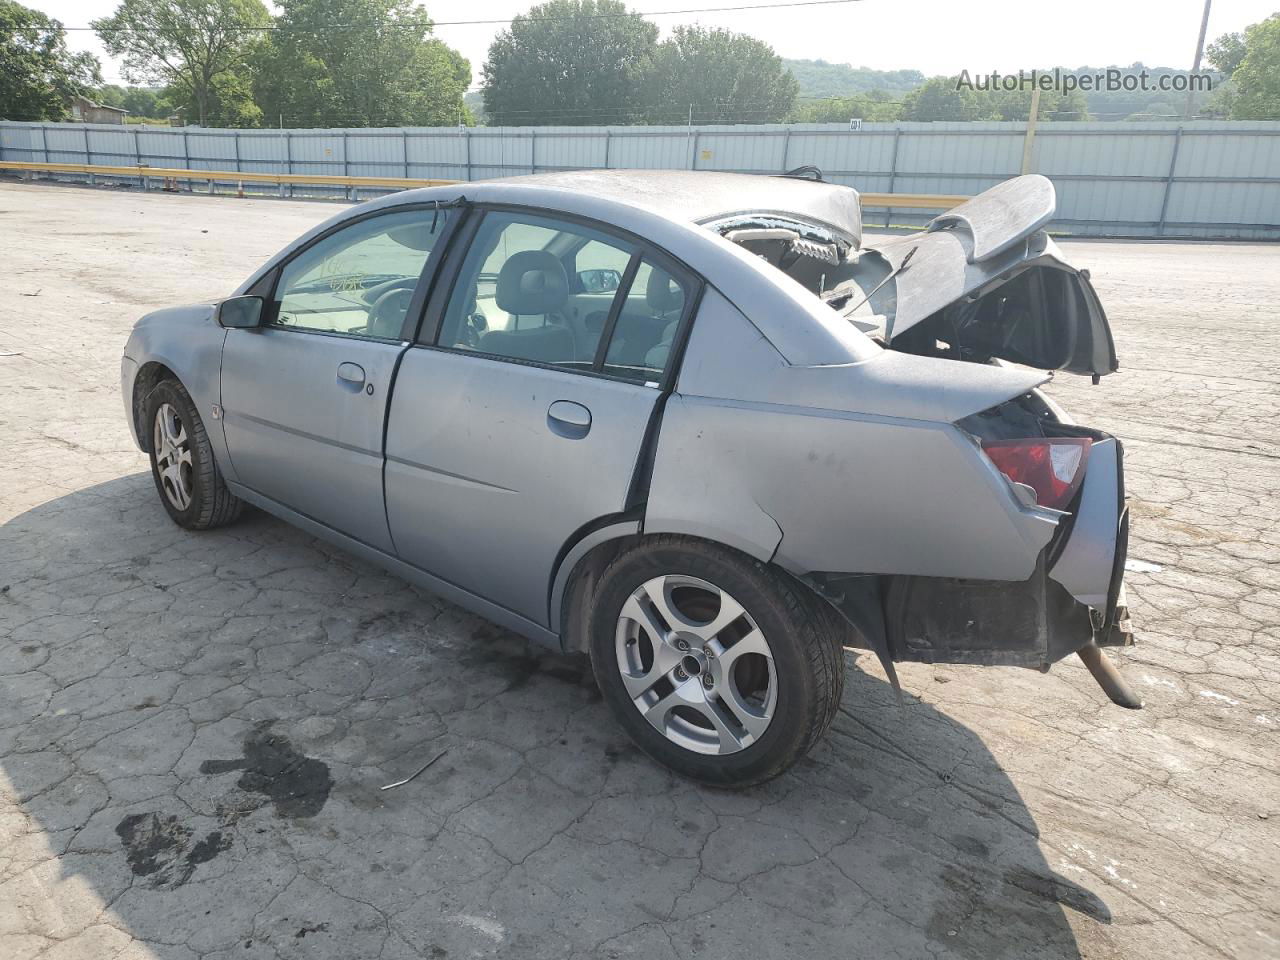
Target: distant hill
(474, 100)
(817, 78)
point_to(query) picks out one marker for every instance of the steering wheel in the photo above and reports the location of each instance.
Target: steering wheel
(386, 316)
(474, 325)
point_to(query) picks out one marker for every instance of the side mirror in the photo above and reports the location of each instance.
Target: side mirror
(240, 312)
(599, 281)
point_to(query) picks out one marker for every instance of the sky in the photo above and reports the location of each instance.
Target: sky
(933, 36)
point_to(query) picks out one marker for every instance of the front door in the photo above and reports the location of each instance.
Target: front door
(304, 397)
(520, 425)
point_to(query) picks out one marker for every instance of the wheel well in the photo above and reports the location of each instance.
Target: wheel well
(582, 583)
(150, 374)
(576, 602)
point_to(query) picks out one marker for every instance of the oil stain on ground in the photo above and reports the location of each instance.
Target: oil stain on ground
(296, 785)
(160, 848)
(515, 659)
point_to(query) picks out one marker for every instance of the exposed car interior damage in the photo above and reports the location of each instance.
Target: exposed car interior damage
(1041, 314)
(1033, 318)
(983, 284)
(814, 255)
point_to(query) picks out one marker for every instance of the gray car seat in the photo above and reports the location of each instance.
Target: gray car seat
(667, 298)
(637, 335)
(532, 284)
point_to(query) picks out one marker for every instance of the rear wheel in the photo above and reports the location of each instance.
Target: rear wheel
(182, 464)
(717, 666)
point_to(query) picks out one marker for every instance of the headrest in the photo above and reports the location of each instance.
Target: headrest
(661, 293)
(415, 236)
(532, 282)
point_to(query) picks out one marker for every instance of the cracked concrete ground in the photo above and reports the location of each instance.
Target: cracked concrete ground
(194, 727)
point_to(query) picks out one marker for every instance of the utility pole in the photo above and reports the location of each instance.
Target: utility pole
(1195, 67)
(688, 135)
(1032, 116)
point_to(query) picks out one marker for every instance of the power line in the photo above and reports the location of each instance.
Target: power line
(736, 8)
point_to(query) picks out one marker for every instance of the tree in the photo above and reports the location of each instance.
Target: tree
(941, 98)
(189, 45)
(1256, 80)
(229, 103)
(716, 76)
(358, 63)
(111, 95)
(878, 106)
(141, 102)
(568, 61)
(1226, 52)
(39, 76)
(1016, 105)
(817, 78)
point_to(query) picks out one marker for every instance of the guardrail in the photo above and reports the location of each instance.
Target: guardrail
(901, 201)
(142, 172)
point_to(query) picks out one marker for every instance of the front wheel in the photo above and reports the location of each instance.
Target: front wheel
(718, 666)
(182, 464)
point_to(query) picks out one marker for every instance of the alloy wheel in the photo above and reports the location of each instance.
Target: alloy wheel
(173, 456)
(696, 665)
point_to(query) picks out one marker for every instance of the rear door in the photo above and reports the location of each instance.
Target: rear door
(510, 429)
(304, 397)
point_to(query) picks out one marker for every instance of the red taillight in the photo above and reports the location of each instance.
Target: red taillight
(1051, 466)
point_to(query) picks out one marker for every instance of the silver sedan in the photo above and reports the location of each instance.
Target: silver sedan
(689, 423)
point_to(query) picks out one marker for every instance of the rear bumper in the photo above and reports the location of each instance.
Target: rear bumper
(1075, 595)
(1032, 623)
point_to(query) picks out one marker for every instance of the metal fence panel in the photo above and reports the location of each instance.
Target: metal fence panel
(1194, 179)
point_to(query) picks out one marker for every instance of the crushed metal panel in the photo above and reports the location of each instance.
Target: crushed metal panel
(750, 443)
(696, 487)
(1085, 565)
(897, 497)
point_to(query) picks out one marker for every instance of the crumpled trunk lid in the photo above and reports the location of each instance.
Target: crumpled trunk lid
(984, 281)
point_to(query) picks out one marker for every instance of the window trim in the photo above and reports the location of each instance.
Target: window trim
(615, 310)
(269, 282)
(446, 279)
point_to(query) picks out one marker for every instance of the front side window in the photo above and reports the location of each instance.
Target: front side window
(540, 290)
(359, 281)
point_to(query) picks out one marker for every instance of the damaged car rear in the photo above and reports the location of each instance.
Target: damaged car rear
(691, 424)
(965, 517)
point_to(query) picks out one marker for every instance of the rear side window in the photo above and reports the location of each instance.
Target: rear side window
(648, 319)
(563, 294)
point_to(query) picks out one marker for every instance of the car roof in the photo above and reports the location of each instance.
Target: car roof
(666, 208)
(694, 196)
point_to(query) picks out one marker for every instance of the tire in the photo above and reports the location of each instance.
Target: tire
(761, 711)
(186, 475)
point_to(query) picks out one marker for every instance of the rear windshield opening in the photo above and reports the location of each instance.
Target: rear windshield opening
(814, 255)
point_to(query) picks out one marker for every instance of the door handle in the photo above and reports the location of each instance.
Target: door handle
(568, 419)
(351, 372)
